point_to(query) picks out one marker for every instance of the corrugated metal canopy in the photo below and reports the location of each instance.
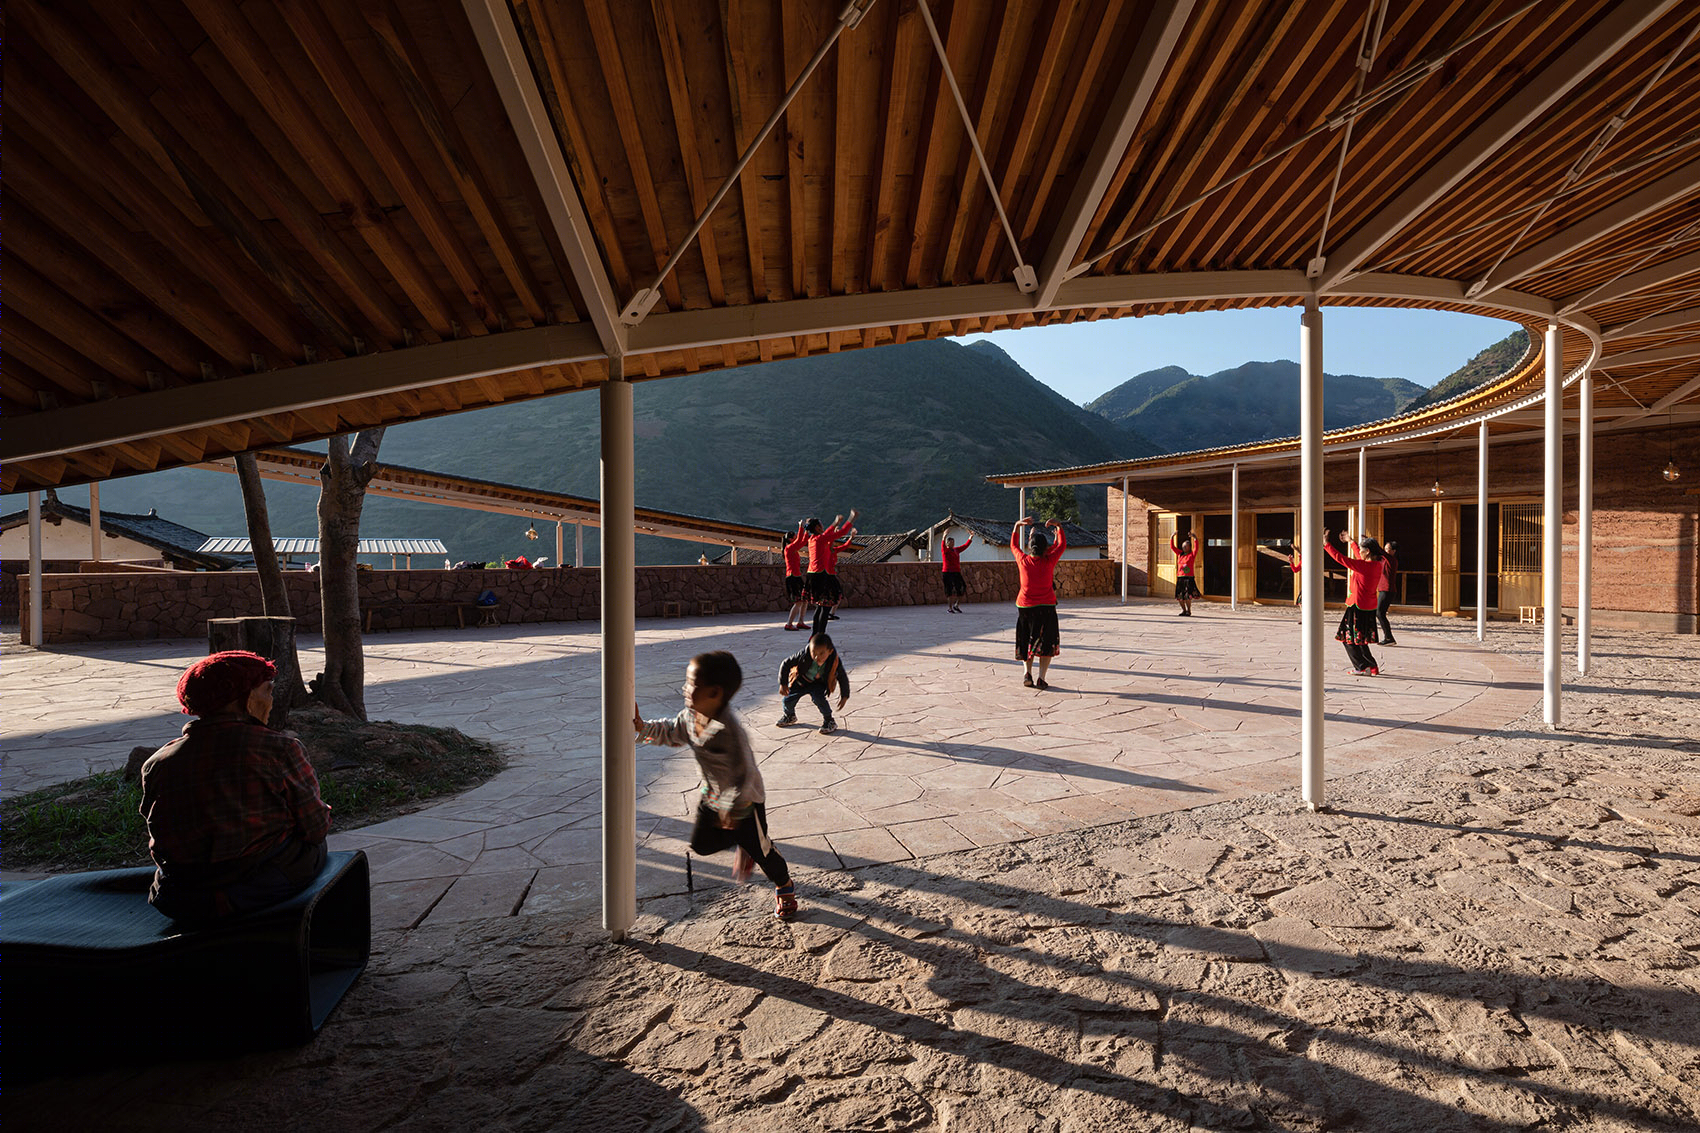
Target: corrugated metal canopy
(232, 545)
(237, 226)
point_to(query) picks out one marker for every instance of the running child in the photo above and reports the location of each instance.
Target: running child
(732, 809)
(950, 554)
(822, 579)
(792, 550)
(1357, 624)
(1036, 632)
(812, 672)
(1185, 548)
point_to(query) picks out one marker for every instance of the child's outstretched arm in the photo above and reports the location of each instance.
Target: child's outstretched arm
(668, 733)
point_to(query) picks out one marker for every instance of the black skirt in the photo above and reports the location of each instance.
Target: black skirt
(1036, 632)
(824, 589)
(953, 583)
(793, 588)
(1185, 587)
(1357, 627)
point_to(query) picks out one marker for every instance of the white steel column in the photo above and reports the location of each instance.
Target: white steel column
(1124, 540)
(1363, 493)
(1310, 523)
(1023, 504)
(1552, 518)
(578, 544)
(94, 521)
(1481, 530)
(1585, 525)
(35, 569)
(734, 555)
(560, 544)
(619, 659)
(1234, 540)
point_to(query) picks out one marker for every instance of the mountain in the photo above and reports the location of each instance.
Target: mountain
(905, 433)
(1251, 402)
(1490, 363)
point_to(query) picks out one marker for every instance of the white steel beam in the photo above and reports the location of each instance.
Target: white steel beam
(1163, 23)
(35, 568)
(1672, 187)
(1552, 519)
(619, 662)
(1533, 100)
(504, 55)
(1655, 276)
(1124, 540)
(137, 417)
(1652, 324)
(1310, 530)
(1233, 540)
(1653, 355)
(1481, 530)
(1585, 526)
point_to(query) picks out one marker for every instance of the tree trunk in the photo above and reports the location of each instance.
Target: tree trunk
(287, 689)
(342, 494)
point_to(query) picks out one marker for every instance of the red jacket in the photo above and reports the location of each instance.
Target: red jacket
(1365, 577)
(953, 555)
(1183, 563)
(1038, 575)
(823, 556)
(793, 552)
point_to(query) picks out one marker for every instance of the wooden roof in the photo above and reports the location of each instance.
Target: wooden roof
(235, 226)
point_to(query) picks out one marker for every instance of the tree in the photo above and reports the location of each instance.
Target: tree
(287, 690)
(1055, 505)
(348, 468)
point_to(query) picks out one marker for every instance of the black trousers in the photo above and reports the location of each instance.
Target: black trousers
(709, 837)
(1360, 656)
(1382, 601)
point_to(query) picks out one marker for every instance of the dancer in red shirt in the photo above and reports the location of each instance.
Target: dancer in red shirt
(822, 579)
(792, 551)
(950, 554)
(1036, 632)
(1186, 557)
(1357, 624)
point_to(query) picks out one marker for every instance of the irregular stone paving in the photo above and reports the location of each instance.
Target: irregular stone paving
(1502, 935)
(940, 748)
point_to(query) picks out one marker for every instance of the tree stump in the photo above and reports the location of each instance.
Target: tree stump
(271, 638)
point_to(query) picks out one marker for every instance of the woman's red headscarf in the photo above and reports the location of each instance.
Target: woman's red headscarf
(215, 681)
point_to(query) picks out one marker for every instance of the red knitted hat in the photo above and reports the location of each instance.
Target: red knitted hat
(215, 681)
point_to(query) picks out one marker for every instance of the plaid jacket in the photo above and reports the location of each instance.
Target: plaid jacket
(230, 788)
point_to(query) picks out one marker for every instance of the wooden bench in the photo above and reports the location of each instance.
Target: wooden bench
(1529, 614)
(486, 614)
(93, 970)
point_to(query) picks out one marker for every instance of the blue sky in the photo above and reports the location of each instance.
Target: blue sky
(1086, 360)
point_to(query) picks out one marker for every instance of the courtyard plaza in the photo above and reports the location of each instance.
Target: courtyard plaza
(1095, 907)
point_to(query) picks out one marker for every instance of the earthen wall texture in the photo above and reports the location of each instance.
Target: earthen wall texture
(118, 607)
(1138, 538)
(1646, 529)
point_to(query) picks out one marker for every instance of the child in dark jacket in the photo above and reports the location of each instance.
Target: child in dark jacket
(812, 672)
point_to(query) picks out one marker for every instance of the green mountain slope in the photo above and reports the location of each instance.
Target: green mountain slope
(904, 433)
(1252, 402)
(1489, 364)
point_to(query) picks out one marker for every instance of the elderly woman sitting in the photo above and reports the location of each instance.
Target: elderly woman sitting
(235, 822)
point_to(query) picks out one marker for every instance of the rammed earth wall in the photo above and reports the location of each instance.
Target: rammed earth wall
(118, 607)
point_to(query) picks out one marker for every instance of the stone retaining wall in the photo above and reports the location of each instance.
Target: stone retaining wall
(118, 607)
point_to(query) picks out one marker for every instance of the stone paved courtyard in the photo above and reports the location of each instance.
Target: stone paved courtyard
(1494, 928)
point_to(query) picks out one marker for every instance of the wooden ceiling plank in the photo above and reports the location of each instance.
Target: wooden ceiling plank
(1651, 277)
(250, 173)
(70, 373)
(1653, 324)
(1073, 98)
(348, 85)
(746, 120)
(685, 126)
(252, 60)
(580, 154)
(1536, 95)
(940, 127)
(144, 455)
(63, 317)
(796, 52)
(171, 282)
(908, 44)
(612, 63)
(989, 110)
(434, 113)
(1041, 73)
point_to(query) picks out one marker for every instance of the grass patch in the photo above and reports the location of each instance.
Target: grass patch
(368, 771)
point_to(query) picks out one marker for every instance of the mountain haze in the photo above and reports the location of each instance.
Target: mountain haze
(1255, 401)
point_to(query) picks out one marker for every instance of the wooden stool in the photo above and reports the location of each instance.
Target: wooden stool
(1529, 614)
(672, 609)
(705, 609)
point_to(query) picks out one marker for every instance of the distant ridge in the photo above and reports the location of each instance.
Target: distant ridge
(1489, 364)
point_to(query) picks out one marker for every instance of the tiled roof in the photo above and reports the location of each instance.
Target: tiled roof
(995, 532)
(172, 540)
(865, 549)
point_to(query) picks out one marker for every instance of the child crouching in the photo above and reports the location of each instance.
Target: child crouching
(811, 672)
(732, 810)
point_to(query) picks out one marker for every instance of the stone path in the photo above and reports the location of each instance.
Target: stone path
(1497, 935)
(940, 749)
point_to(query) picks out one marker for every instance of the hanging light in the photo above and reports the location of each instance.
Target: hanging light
(531, 532)
(1437, 489)
(1672, 472)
